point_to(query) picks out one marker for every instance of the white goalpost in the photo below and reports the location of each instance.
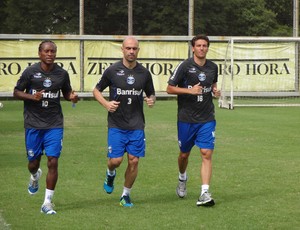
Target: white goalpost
(260, 71)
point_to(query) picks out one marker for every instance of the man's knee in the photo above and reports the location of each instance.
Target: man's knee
(206, 153)
(184, 156)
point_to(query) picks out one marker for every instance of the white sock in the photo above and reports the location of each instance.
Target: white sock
(48, 196)
(204, 188)
(182, 176)
(35, 176)
(111, 173)
(126, 191)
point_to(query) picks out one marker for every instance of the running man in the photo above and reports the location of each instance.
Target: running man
(39, 87)
(195, 81)
(127, 81)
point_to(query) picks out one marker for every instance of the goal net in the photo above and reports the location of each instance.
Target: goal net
(260, 72)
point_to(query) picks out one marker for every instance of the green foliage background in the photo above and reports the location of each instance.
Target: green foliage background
(157, 17)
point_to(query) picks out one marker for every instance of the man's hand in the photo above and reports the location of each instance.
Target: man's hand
(196, 89)
(112, 106)
(74, 97)
(38, 95)
(216, 92)
(150, 100)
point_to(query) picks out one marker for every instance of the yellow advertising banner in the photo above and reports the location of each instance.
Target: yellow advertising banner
(15, 56)
(160, 58)
(256, 66)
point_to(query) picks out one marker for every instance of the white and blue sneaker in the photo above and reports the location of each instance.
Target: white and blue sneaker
(33, 186)
(48, 209)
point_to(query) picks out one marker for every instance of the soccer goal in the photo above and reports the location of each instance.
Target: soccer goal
(260, 71)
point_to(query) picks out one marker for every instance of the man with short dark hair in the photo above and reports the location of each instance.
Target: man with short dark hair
(195, 81)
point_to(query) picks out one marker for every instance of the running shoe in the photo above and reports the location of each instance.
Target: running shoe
(205, 200)
(33, 186)
(109, 183)
(125, 201)
(181, 188)
(48, 209)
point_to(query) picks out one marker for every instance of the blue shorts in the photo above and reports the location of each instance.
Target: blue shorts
(130, 141)
(39, 140)
(199, 134)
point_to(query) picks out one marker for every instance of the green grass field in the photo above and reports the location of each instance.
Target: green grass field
(255, 183)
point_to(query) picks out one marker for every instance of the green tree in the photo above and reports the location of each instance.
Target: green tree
(283, 10)
(235, 18)
(149, 17)
(161, 17)
(38, 17)
(3, 15)
(156, 17)
(107, 17)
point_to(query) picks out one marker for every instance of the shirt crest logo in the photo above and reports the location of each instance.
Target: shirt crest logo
(130, 80)
(202, 76)
(47, 82)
